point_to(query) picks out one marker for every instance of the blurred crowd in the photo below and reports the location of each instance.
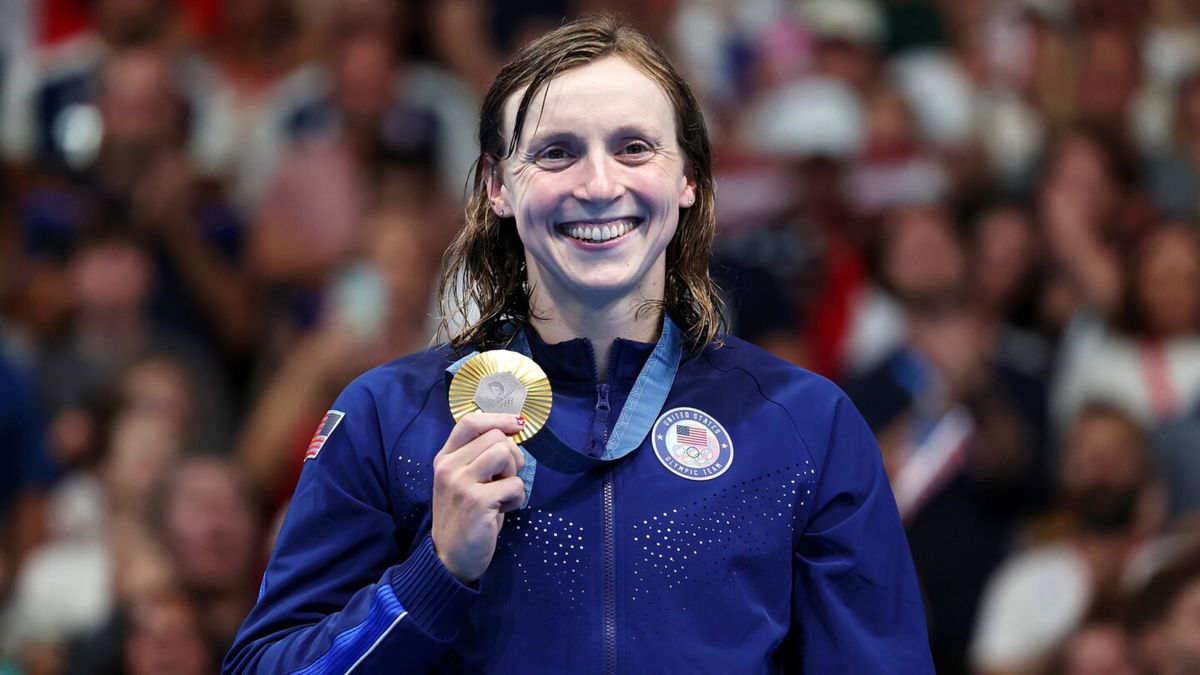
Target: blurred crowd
(980, 217)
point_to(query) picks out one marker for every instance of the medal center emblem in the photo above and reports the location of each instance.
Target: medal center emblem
(500, 393)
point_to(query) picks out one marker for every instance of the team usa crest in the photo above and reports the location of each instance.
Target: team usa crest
(691, 444)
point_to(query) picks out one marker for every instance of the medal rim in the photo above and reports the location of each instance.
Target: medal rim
(538, 396)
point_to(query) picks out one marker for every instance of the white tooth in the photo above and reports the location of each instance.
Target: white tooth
(593, 233)
(607, 232)
(622, 228)
(577, 232)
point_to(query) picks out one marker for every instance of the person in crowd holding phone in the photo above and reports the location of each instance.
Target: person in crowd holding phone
(692, 504)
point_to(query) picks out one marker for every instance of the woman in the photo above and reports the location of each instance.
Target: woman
(587, 247)
(1150, 347)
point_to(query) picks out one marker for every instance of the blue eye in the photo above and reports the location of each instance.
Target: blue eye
(636, 148)
(554, 156)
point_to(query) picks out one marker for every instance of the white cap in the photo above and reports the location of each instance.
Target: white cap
(857, 21)
(938, 92)
(814, 116)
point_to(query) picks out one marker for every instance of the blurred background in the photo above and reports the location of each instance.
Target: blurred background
(980, 217)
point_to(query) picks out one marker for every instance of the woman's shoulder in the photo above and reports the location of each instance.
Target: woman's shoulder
(772, 374)
(408, 378)
(811, 401)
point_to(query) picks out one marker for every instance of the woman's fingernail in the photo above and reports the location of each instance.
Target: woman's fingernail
(520, 420)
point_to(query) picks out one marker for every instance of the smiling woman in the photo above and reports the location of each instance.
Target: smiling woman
(595, 188)
(589, 126)
(682, 477)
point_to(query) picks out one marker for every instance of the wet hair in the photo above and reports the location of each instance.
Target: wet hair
(485, 265)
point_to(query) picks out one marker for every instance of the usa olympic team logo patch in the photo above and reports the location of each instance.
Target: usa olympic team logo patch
(691, 444)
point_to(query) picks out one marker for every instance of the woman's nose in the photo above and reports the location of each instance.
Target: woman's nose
(599, 181)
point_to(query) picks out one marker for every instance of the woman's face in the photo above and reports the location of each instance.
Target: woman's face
(922, 260)
(595, 184)
(1004, 252)
(1167, 284)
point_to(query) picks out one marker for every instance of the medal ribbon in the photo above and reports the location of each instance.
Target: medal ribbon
(641, 408)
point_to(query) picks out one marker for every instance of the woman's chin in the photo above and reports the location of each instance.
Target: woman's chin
(599, 290)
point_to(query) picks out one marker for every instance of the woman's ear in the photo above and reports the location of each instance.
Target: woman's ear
(493, 178)
(687, 194)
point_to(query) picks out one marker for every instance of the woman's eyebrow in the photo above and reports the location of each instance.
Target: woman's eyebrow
(545, 136)
(640, 130)
(646, 131)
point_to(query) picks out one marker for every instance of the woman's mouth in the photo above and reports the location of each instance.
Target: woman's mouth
(600, 232)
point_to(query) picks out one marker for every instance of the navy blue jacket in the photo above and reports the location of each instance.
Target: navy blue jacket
(791, 559)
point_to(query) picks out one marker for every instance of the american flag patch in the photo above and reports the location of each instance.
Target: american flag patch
(686, 433)
(328, 423)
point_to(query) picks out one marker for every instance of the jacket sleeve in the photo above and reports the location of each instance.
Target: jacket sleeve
(343, 590)
(856, 604)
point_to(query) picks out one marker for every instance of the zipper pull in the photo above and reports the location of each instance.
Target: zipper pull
(602, 398)
(599, 436)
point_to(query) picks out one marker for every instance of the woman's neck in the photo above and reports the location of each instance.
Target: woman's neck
(560, 320)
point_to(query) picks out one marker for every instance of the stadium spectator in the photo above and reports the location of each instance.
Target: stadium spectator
(1040, 596)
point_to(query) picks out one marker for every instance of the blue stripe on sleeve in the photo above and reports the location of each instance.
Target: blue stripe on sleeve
(354, 644)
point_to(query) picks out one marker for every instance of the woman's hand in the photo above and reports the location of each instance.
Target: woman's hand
(475, 483)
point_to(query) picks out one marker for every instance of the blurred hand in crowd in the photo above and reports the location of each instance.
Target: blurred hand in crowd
(1081, 213)
(141, 449)
(158, 387)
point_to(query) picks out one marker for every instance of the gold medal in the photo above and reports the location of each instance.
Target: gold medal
(501, 381)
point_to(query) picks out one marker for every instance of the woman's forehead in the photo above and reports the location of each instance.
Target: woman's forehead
(606, 94)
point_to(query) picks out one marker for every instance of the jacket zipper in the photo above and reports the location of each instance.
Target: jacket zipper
(599, 437)
(598, 441)
(610, 578)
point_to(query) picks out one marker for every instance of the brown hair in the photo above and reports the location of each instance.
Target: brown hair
(485, 265)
